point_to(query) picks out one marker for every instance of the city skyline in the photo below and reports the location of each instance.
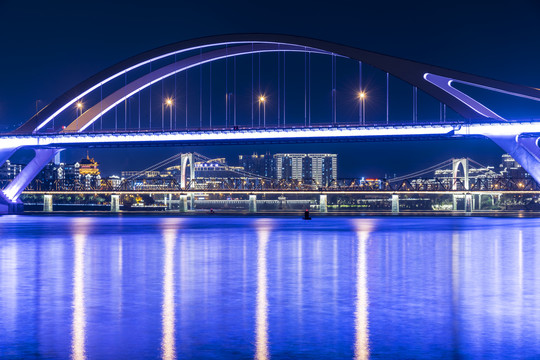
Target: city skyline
(385, 157)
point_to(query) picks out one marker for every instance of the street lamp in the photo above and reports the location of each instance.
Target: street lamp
(169, 103)
(262, 100)
(362, 97)
(79, 107)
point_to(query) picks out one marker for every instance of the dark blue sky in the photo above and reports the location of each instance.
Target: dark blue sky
(48, 47)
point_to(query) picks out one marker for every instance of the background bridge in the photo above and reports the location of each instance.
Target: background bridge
(251, 88)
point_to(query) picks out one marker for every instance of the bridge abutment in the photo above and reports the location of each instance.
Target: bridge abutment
(8, 206)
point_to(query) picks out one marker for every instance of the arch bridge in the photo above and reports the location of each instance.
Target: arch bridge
(137, 102)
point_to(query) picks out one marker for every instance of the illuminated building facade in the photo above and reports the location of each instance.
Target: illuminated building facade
(319, 169)
(262, 165)
(9, 170)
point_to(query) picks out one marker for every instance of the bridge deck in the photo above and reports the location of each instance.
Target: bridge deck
(322, 133)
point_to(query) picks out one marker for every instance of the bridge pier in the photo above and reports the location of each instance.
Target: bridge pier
(282, 202)
(9, 197)
(47, 203)
(115, 203)
(469, 203)
(252, 203)
(191, 202)
(182, 203)
(21, 181)
(395, 204)
(323, 203)
(168, 201)
(524, 150)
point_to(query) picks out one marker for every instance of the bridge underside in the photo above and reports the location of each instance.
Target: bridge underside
(524, 149)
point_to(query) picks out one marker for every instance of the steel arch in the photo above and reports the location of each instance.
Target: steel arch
(433, 80)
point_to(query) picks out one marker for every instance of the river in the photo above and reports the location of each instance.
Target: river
(211, 287)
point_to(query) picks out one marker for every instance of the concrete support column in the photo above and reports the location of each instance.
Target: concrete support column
(183, 203)
(47, 203)
(252, 203)
(468, 203)
(395, 204)
(282, 202)
(323, 203)
(29, 172)
(168, 201)
(454, 202)
(191, 201)
(115, 203)
(523, 149)
(479, 201)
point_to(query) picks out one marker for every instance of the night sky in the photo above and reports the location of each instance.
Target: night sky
(48, 47)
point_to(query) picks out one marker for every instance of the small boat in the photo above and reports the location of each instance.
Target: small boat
(306, 215)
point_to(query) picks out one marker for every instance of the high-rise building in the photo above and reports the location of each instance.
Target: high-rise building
(319, 169)
(510, 168)
(323, 168)
(290, 166)
(262, 165)
(9, 170)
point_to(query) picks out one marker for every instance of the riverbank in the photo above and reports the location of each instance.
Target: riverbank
(285, 213)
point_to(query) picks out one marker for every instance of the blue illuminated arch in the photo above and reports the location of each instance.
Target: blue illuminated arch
(433, 80)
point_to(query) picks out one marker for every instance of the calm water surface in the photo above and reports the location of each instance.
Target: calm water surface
(276, 288)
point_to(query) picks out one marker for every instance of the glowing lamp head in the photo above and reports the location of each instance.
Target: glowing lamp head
(169, 101)
(79, 105)
(362, 95)
(262, 99)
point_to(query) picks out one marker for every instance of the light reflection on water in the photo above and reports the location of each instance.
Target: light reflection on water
(238, 288)
(263, 232)
(361, 347)
(80, 227)
(168, 350)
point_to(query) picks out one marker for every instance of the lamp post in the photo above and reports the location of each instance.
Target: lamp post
(169, 103)
(79, 108)
(262, 100)
(362, 97)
